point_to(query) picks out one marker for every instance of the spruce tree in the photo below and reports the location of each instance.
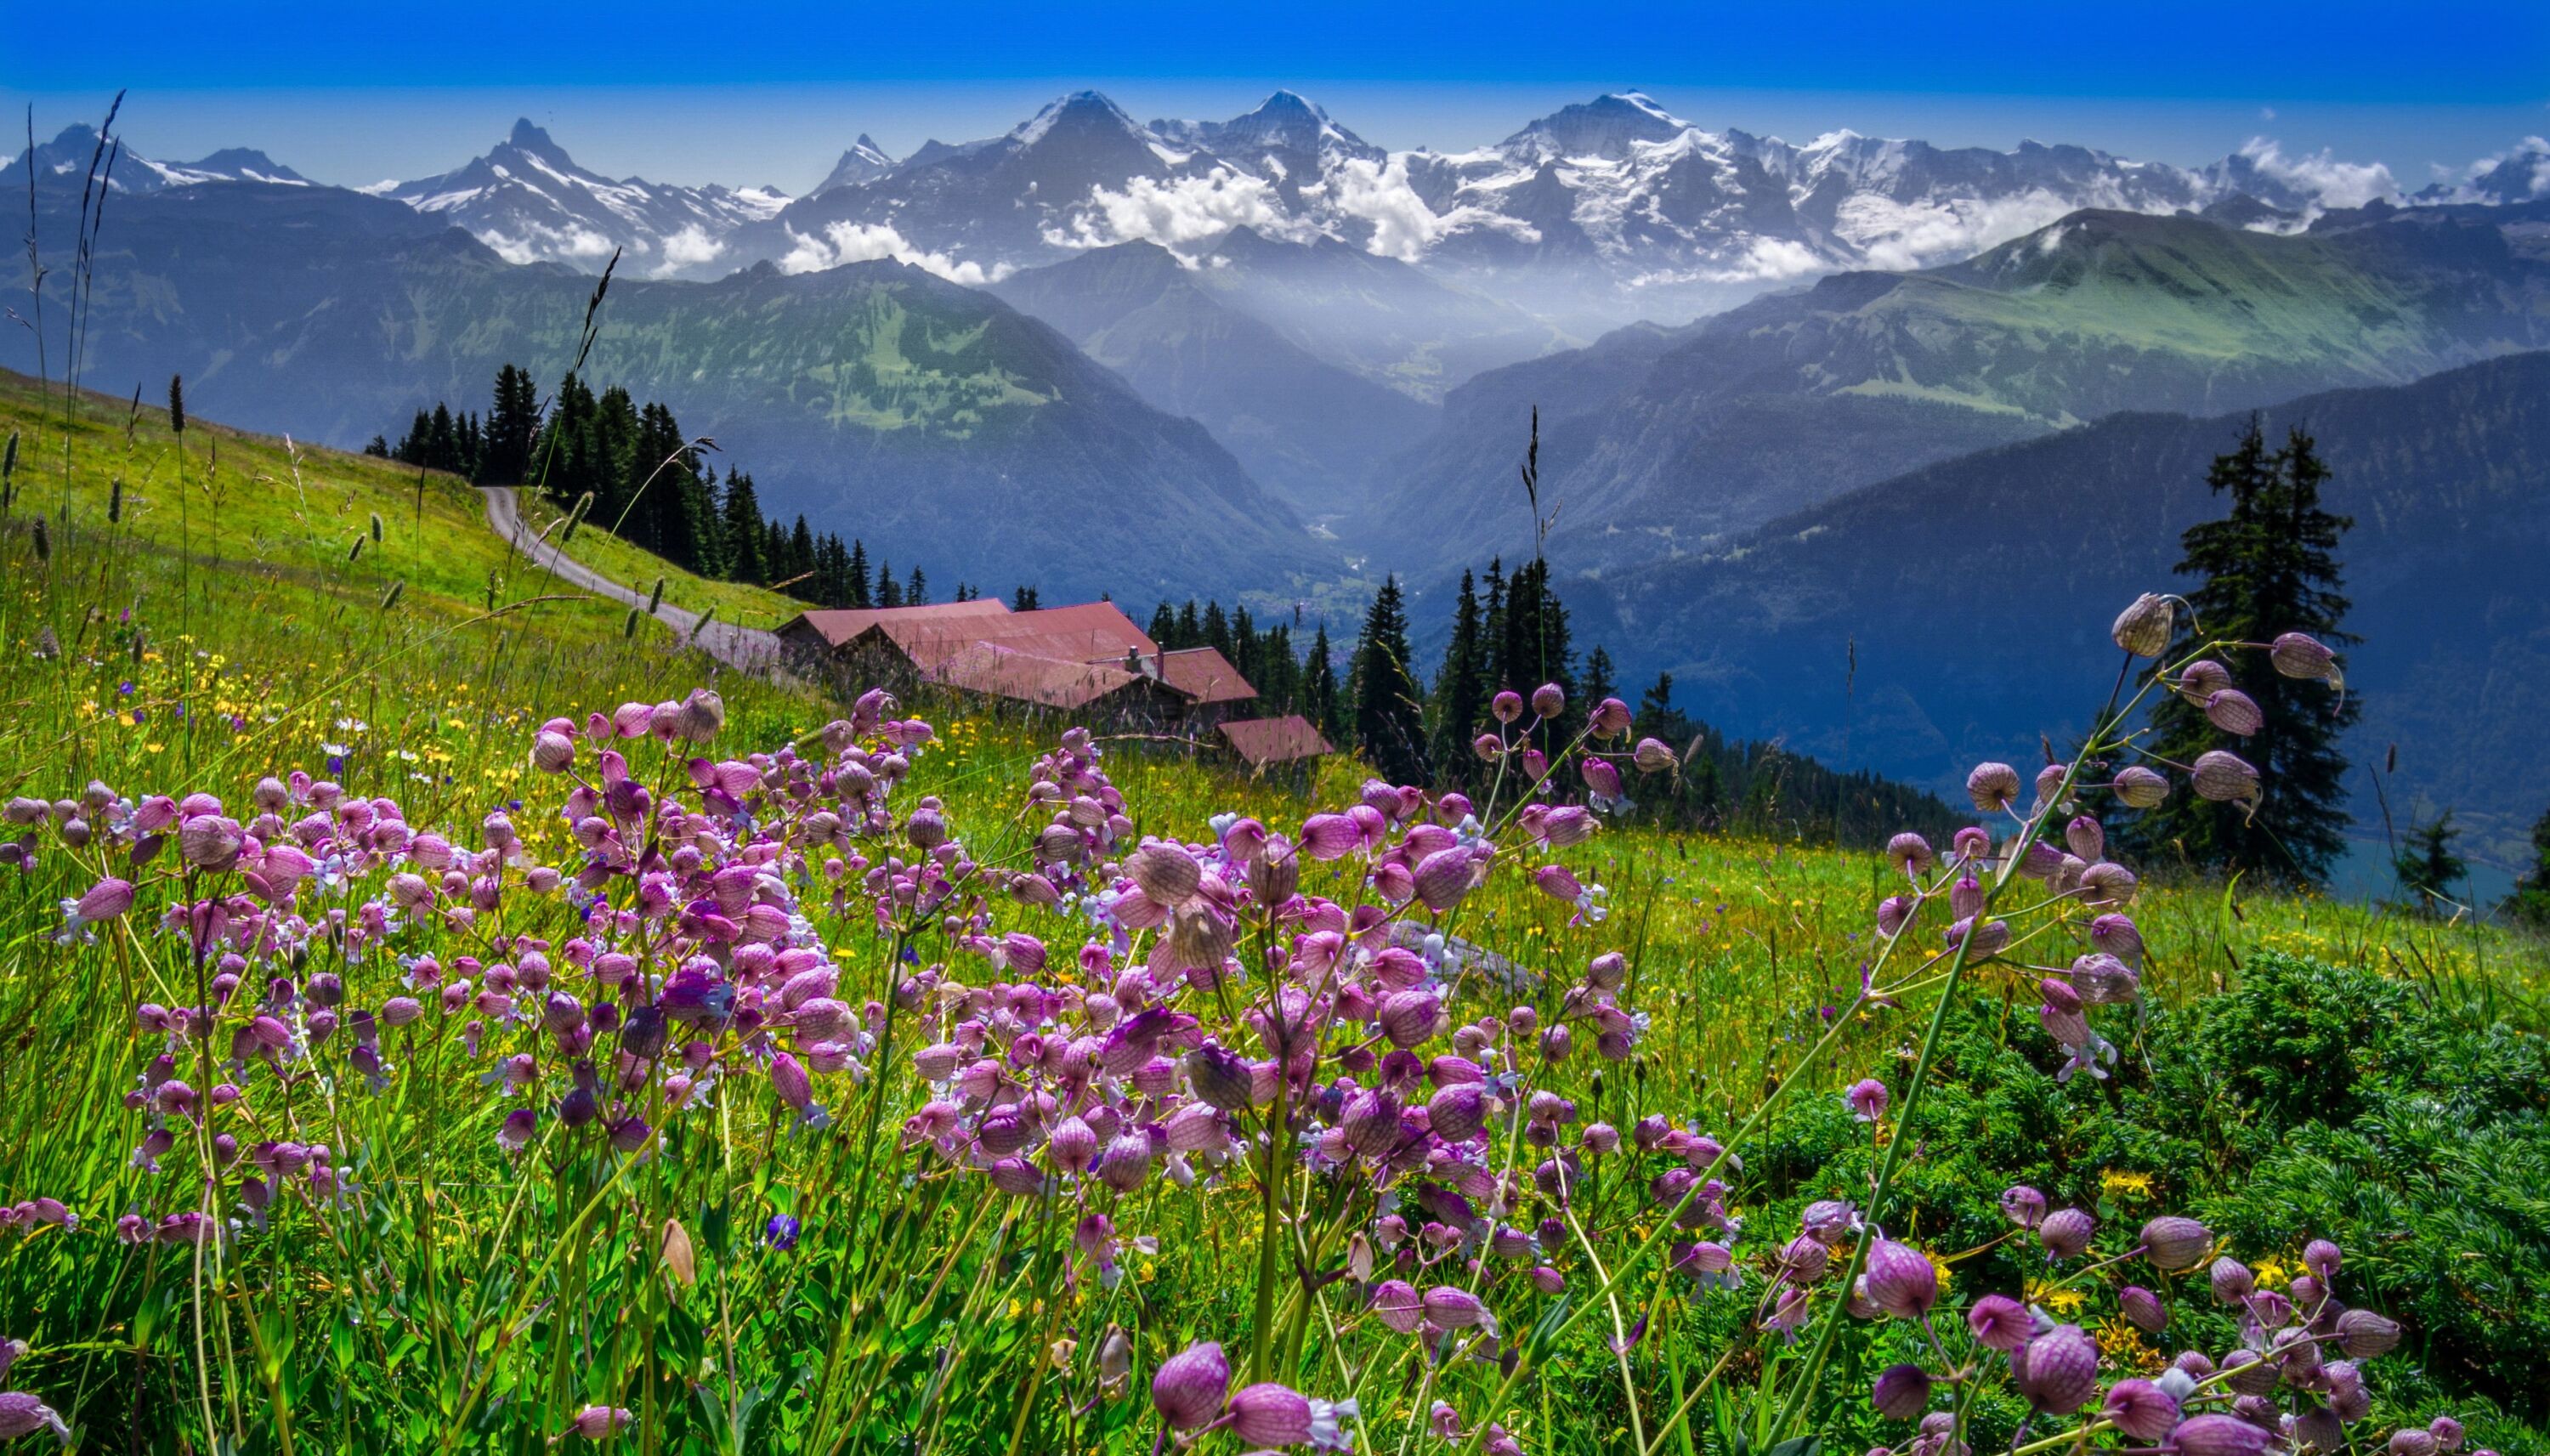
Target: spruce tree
(1598, 677)
(2530, 902)
(916, 592)
(742, 530)
(1460, 702)
(1389, 706)
(1164, 623)
(861, 596)
(2428, 869)
(1321, 699)
(513, 424)
(2267, 566)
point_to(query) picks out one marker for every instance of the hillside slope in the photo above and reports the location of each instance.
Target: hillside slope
(931, 421)
(2021, 554)
(1801, 397)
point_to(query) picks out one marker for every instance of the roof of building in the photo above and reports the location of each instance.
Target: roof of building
(1204, 675)
(840, 626)
(1262, 741)
(1053, 682)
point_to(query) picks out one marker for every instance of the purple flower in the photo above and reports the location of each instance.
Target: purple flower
(1453, 1307)
(21, 1413)
(1992, 787)
(2058, 1371)
(2143, 1307)
(780, 1233)
(2173, 1244)
(1866, 1099)
(2000, 1323)
(2066, 1232)
(1902, 1392)
(2140, 1409)
(1189, 1388)
(2218, 1435)
(1900, 1281)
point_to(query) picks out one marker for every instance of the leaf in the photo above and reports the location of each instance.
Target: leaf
(678, 1258)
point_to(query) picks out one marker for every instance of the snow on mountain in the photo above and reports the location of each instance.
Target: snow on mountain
(865, 161)
(68, 154)
(530, 202)
(1600, 212)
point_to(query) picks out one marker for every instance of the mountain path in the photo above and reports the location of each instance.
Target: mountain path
(745, 647)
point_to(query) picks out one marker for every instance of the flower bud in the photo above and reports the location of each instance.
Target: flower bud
(2140, 786)
(1189, 1388)
(1900, 1281)
(1548, 700)
(2173, 1244)
(2140, 1408)
(1992, 787)
(2223, 777)
(1902, 1392)
(2144, 627)
(2296, 654)
(2057, 1370)
(2234, 712)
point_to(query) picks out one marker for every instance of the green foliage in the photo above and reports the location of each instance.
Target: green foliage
(2268, 567)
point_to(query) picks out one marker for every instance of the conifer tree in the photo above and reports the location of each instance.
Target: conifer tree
(1323, 699)
(2530, 902)
(513, 424)
(1389, 706)
(1598, 676)
(2428, 869)
(2267, 566)
(1460, 700)
(740, 529)
(1164, 625)
(916, 592)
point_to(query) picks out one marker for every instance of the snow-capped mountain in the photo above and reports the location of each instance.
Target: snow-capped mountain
(68, 154)
(1602, 212)
(865, 161)
(528, 200)
(1599, 212)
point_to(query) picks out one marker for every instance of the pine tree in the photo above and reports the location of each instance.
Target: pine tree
(1024, 599)
(1655, 715)
(2530, 902)
(1321, 699)
(2429, 868)
(861, 596)
(2269, 566)
(379, 446)
(740, 529)
(513, 425)
(916, 592)
(1190, 626)
(1598, 677)
(176, 404)
(801, 555)
(1389, 711)
(1459, 700)
(1164, 625)
(889, 592)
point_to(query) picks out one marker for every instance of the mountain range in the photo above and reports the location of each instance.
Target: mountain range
(1659, 443)
(1600, 214)
(935, 423)
(1953, 613)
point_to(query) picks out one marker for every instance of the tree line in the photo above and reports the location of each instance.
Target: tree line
(651, 485)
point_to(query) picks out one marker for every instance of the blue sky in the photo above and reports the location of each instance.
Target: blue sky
(771, 92)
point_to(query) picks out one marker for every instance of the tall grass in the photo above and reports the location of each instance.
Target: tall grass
(676, 1250)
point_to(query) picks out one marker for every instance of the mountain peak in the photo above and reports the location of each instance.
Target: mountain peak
(1289, 103)
(1604, 127)
(528, 137)
(1080, 108)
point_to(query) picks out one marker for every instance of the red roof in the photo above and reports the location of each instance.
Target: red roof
(1262, 741)
(1204, 675)
(1001, 672)
(840, 626)
(1093, 631)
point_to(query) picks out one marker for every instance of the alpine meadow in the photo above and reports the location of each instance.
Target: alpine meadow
(1527, 777)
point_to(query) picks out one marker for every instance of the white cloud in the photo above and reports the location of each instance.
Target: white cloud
(2530, 160)
(2320, 175)
(1916, 235)
(860, 243)
(542, 243)
(689, 249)
(1178, 213)
(1762, 261)
(1402, 226)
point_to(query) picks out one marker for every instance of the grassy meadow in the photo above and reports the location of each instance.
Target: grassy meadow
(439, 1209)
